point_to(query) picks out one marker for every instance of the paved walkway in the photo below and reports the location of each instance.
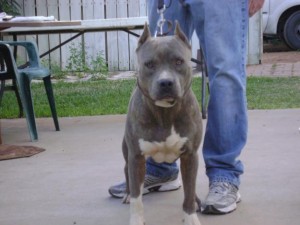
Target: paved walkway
(284, 69)
(274, 64)
(67, 184)
(277, 64)
(275, 70)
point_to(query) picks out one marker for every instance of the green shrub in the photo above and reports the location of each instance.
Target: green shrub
(80, 62)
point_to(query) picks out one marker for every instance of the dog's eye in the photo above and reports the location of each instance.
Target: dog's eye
(150, 64)
(178, 62)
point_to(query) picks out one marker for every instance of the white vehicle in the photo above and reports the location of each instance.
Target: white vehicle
(282, 18)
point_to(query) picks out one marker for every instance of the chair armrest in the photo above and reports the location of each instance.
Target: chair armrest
(31, 48)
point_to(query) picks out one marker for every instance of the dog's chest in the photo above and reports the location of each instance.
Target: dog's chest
(164, 151)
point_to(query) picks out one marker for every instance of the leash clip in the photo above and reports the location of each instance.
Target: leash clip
(161, 21)
(161, 8)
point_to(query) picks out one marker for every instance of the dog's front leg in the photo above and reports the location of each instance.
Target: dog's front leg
(136, 169)
(189, 167)
(126, 198)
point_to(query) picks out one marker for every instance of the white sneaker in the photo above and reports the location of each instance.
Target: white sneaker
(222, 198)
(151, 184)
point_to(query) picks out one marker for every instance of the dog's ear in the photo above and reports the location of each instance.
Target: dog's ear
(181, 35)
(145, 35)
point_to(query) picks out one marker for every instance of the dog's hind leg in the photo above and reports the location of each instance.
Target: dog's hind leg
(189, 167)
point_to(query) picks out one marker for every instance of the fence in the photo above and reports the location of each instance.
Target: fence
(117, 47)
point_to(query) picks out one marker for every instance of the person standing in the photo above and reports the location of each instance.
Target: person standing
(222, 29)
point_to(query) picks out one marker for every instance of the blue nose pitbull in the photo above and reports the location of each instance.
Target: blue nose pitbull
(163, 120)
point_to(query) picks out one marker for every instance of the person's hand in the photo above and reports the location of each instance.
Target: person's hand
(254, 6)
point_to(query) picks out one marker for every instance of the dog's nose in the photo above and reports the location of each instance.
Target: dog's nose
(165, 84)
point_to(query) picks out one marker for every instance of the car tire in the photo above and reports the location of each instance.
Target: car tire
(291, 31)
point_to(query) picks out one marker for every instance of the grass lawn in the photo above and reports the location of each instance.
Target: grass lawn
(104, 97)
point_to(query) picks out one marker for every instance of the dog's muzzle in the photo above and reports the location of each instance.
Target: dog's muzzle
(166, 93)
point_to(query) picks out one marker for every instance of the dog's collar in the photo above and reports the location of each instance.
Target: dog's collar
(143, 92)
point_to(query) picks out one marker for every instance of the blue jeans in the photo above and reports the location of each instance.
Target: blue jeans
(221, 26)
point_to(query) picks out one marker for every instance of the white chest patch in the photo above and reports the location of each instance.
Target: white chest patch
(165, 151)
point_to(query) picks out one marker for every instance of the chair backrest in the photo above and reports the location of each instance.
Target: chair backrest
(32, 51)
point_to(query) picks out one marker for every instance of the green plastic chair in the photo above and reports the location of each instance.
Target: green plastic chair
(24, 76)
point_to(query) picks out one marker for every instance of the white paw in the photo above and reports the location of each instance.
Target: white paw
(136, 220)
(136, 211)
(191, 219)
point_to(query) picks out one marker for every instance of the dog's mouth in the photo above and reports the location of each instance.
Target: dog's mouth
(166, 102)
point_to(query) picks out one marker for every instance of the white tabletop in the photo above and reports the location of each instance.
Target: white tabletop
(72, 26)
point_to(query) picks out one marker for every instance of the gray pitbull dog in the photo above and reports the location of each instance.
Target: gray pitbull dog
(163, 121)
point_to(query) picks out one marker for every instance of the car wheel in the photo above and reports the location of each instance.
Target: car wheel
(291, 31)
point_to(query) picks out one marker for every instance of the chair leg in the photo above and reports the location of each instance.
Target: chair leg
(25, 92)
(2, 82)
(15, 88)
(49, 91)
(2, 86)
(0, 134)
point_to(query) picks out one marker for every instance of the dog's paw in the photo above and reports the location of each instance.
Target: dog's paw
(191, 219)
(137, 220)
(126, 199)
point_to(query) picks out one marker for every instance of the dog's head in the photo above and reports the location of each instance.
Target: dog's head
(165, 71)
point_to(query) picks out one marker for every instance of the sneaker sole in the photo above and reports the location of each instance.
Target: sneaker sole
(163, 187)
(160, 187)
(121, 195)
(210, 209)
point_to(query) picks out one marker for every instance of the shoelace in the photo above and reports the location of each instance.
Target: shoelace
(219, 187)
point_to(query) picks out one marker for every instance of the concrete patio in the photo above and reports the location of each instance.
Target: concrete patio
(67, 184)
